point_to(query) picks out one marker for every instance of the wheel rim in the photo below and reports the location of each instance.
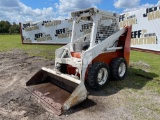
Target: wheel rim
(102, 76)
(122, 69)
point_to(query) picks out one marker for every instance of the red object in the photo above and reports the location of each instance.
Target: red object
(76, 54)
(72, 70)
(124, 41)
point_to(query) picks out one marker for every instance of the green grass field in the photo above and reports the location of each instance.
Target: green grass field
(145, 64)
(140, 86)
(9, 42)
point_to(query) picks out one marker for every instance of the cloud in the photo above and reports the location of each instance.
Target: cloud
(16, 11)
(158, 3)
(64, 7)
(139, 7)
(9, 3)
(126, 3)
(131, 5)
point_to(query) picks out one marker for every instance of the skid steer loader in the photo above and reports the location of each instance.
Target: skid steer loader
(98, 51)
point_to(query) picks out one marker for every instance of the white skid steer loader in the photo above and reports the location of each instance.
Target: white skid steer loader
(102, 53)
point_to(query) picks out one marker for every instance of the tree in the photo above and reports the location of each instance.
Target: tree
(4, 26)
(14, 28)
(7, 27)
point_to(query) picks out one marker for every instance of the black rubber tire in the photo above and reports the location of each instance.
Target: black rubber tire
(115, 64)
(93, 74)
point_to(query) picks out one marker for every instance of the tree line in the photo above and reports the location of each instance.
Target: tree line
(9, 28)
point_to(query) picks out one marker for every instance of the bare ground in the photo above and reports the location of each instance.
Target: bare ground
(114, 102)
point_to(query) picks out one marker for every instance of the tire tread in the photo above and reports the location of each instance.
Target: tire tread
(92, 71)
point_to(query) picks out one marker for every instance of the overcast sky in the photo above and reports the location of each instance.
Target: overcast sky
(37, 10)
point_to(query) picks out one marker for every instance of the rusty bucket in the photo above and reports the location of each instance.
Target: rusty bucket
(59, 92)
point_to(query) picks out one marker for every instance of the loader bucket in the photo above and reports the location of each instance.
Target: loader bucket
(57, 91)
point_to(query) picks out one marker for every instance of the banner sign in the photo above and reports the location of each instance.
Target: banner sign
(52, 32)
(47, 32)
(145, 27)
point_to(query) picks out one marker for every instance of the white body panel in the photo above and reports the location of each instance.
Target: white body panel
(99, 42)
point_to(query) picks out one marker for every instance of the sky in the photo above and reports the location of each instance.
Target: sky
(38, 10)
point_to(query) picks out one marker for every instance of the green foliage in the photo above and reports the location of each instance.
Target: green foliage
(14, 28)
(4, 26)
(7, 27)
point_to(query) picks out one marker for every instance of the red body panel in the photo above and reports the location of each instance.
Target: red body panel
(123, 41)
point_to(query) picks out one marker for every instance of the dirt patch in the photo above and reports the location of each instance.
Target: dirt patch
(15, 102)
(143, 65)
(114, 102)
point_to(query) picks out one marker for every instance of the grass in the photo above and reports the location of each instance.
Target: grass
(140, 86)
(148, 65)
(9, 42)
(145, 64)
(143, 74)
(140, 62)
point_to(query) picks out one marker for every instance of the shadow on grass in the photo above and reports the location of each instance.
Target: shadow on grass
(135, 79)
